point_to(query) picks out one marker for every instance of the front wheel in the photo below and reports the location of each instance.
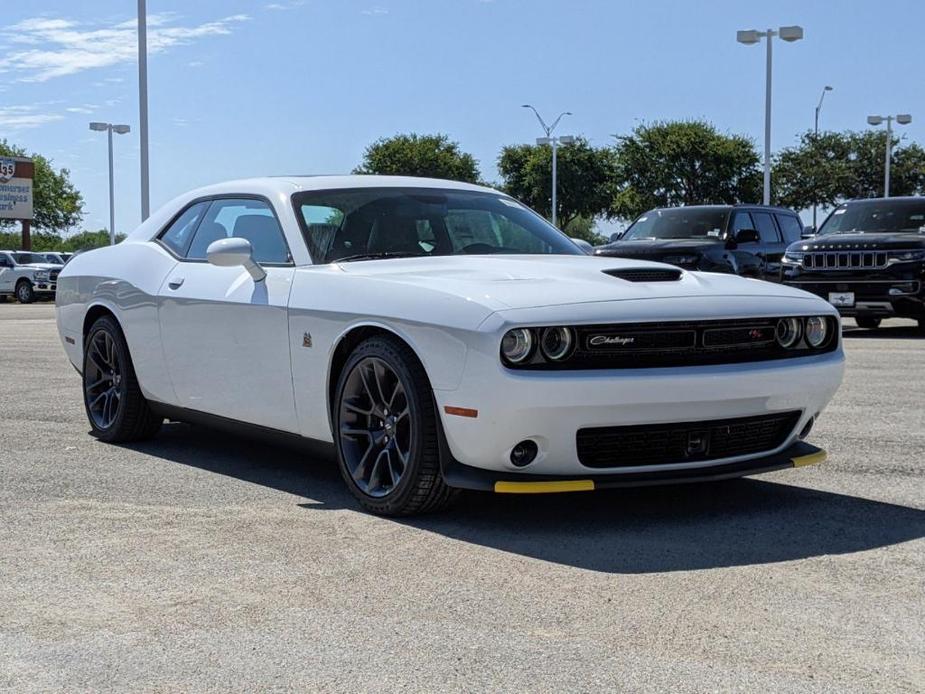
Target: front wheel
(386, 431)
(115, 406)
(25, 294)
(867, 322)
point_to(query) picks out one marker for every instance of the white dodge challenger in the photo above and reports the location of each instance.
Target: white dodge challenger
(435, 336)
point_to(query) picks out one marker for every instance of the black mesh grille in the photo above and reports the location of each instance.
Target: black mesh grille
(643, 274)
(661, 444)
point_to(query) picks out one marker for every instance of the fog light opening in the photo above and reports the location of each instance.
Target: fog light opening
(524, 453)
(808, 427)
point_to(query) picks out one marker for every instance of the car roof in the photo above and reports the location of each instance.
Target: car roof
(293, 184)
(738, 205)
(892, 198)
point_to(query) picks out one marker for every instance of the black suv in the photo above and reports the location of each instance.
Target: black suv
(747, 240)
(868, 260)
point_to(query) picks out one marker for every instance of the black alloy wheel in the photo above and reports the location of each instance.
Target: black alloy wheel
(386, 430)
(115, 406)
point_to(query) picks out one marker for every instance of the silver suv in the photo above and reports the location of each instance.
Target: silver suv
(26, 276)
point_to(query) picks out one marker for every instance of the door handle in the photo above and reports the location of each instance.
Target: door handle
(175, 283)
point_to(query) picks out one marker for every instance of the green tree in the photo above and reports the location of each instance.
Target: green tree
(836, 166)
(682, 163)
(431, 156)
(584, 179)
(57, 203)
(584, 228)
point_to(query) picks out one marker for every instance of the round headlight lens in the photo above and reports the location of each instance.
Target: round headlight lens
(788, 332)
(817, 331)
(517, 345)
(557, 343)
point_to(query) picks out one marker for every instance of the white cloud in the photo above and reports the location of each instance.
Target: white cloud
(289, 5)
(58, 47)
(86, 108)
(21, 117)
(374, 11)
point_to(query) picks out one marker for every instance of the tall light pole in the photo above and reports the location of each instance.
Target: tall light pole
(109, 129)
(143, 107)
(554, 142)
(902, 119)
(825, 89)
(750, 37)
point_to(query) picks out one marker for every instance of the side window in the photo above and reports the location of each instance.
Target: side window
(741, 220)
(244, 218)
(766, 228)
(5, 261)
(177, 236)
(790, 227)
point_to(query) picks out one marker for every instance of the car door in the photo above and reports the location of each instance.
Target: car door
(6, 273)
(771, 247)
(744, 256)
(226, 336)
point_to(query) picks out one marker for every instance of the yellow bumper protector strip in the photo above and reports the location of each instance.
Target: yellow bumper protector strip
(544, 487)
(811, 459)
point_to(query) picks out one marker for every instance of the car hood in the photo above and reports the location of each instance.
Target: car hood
(656, 247)
(862, 241)
(529, 281)
(41, 266)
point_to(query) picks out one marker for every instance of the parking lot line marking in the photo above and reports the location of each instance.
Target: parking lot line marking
(811, 459)
(544, 487)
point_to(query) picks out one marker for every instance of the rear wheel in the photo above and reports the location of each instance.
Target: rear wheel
(25, 294)
(386, 431)
(115, 406)
(867, 322)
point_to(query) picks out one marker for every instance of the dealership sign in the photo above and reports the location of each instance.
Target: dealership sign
(16, 176)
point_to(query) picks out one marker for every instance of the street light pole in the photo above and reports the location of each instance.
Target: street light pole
(901, 119)
(750, 37)
(109, 128)
(554, 143)
(143, 107)
(825, 89)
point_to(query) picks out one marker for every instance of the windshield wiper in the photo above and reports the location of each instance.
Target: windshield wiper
(377, 256)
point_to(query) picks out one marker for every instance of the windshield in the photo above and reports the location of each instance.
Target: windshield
(680, 223)
(364, 223)
(28, 258)
(897, 215)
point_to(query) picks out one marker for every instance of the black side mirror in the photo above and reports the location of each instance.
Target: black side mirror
(616, 236)
(747, 236)
(808, 232)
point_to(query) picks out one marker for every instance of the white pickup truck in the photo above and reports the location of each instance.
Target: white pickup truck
(26, 276)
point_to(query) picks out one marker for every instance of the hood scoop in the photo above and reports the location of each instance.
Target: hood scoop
(645, 274)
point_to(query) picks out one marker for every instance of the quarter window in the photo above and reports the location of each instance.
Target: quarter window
(790, 227)
(242, 218)
(766, 228)
(178, 235)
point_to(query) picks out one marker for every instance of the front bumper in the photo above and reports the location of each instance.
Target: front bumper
(461, 476)
(549, 408)
(45, 287)
(895, 291)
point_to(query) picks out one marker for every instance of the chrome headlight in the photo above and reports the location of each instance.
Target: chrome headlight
(905, 256)
(517, 345)
(817, 331)
(41, 275)
(788, 332)
(557, 343)
(793, 257)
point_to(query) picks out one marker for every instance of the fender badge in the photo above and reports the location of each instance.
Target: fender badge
(306, 340)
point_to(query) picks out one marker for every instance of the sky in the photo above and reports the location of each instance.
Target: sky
(241, 88)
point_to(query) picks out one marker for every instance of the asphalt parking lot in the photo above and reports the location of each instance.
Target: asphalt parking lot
(198, 562)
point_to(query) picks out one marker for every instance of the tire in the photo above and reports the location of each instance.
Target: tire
(389, 459)
(867, 322)
(115, 407)
(2, 298)
(25, 294)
